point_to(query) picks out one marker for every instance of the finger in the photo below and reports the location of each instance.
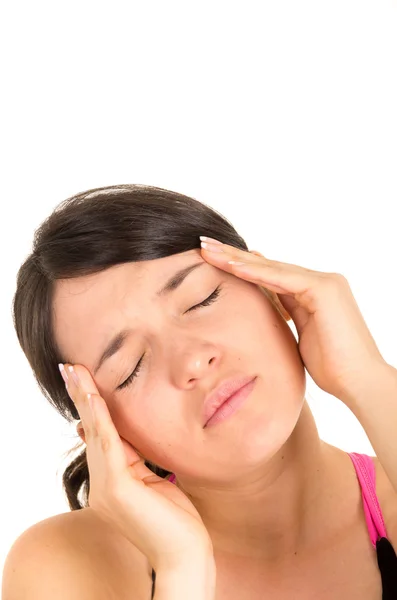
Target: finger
(119, 452)
(78, 394)
(254, 267)
(223, 253)
(258, 274)
(103, 441)
(249, 266)
(104, 444)
(131, 454)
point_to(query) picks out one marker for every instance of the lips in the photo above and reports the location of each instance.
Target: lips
(222, 393)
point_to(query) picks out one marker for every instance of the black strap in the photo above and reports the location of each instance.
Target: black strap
(387, 562)
(154, 583)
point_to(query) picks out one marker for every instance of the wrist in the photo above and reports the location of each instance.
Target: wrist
(194, 577)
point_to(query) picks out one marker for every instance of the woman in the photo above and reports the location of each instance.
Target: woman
(287, 515)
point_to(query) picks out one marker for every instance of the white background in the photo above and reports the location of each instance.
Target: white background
(280, 115)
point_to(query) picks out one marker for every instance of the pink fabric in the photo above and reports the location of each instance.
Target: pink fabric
(365, 470)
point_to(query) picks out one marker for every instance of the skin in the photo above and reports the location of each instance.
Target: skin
(259, 479)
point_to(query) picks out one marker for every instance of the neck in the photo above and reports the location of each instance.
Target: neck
(278, 509)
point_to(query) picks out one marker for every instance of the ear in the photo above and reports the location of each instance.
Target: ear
(80, 431)
(273, 296)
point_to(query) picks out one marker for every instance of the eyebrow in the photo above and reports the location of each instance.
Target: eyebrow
(118, 340)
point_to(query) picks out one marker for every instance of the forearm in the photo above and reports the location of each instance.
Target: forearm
(375, 406)
(193, 580)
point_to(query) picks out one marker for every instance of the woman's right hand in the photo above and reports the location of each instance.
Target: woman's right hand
(151, 512)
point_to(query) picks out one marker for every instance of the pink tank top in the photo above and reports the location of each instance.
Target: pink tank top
(365, 470)
(386, 555)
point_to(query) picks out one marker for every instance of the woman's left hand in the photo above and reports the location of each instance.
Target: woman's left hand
(335, 343)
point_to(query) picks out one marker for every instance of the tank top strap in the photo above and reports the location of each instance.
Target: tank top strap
(365, 470)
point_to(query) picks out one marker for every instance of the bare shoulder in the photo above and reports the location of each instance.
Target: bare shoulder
(81, 557)
(387, 497)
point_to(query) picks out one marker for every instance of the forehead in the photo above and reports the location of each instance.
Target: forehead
(95, 305)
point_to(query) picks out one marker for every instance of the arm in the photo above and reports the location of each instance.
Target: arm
(375, 406)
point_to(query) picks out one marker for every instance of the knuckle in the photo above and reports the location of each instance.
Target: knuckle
(105, 443)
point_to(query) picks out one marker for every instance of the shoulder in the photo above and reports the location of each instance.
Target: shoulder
(387, 497)
(81, 557)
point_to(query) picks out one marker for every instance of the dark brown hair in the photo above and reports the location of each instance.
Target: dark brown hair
(85, 234)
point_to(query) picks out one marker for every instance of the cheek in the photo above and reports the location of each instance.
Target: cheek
(128, 425)
(140, 420)
(134, 431)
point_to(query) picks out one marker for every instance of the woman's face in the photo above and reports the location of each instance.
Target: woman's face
(187, 353)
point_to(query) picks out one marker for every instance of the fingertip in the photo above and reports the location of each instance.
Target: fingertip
(96, 402)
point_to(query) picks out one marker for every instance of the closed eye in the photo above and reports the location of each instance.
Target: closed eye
(208, 300)
(205, 302)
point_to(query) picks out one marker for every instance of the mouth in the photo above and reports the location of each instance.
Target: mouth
(222, 394)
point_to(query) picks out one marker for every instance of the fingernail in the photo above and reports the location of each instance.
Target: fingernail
(203, 238)
(74, 375)
(63, 372)
(211, 247)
